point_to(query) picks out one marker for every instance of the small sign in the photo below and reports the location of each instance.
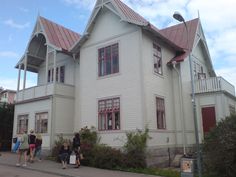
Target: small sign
(187, 166)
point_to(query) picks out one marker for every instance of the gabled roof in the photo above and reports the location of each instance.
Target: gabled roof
(126, 14)
(58, 35)
(130, 15)
(178, 35)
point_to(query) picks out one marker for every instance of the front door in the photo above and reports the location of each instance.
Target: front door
(208, 118)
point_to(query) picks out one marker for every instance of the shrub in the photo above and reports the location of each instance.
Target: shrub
(57, 146)
(88, 139)
(135, 148)
(107, 157)
(220, 149)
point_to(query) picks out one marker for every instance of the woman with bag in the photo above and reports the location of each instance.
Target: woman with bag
(76, 148)
(24, 146)
(64, 154)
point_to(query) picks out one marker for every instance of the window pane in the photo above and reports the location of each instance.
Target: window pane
(157, 57)
(160, 113)
(108, 60)
(109, 114)
(62, 74)
(117, 120)
(22, 123)
(41, 122)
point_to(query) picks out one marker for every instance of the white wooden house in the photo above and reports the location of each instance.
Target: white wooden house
(122, 74)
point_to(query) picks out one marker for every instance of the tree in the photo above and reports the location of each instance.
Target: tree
(219, 149)
(6, 125)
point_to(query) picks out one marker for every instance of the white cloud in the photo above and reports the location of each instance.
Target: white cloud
(8, 54)
(228, 73)
(13, 24)
(88, 4)
(11, 83)
(8, 83)
(22, 9)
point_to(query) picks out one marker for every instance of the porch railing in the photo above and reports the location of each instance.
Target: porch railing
(214, 84)
(45, 90)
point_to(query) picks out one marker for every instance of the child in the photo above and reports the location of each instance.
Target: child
(64, 154)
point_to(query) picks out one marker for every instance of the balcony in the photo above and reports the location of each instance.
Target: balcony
(214, 84)
(45, 90)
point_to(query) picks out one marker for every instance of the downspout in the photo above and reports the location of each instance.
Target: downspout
(181, 107)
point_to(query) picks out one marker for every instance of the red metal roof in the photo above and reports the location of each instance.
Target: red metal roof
(58, 35)
(130, 14)
(177, 34)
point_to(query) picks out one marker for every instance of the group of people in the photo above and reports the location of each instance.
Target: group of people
(30, 146)
(66, 153)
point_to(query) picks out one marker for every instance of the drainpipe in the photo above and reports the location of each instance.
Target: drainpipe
(181, 106)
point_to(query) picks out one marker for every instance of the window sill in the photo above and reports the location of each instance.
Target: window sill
(108, 76)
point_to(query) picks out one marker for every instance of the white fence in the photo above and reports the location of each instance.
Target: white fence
(214, 84)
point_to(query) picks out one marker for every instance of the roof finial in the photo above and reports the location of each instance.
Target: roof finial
(198, 13)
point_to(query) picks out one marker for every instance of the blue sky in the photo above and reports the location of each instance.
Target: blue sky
(18, 17)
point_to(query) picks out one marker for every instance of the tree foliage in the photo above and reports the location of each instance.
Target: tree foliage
(220, 149)
(6, 125)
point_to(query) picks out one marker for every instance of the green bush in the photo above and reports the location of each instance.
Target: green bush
(220, 149)
(135, 148)
(107, 157)
(57, 146)
(88, 140)
(6, 125)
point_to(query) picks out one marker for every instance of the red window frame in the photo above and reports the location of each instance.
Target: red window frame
(108, 60)
(157, 57)
(160, 113)
(109, 114)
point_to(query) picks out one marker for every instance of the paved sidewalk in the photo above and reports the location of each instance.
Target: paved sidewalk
(50, 167)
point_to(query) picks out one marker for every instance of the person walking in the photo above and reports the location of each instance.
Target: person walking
(32, 141)
(76, 148)
(24, 146)
(38, 146)
(64, 154)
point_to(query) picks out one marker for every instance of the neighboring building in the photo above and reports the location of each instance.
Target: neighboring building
(7, 96)
(121, 75)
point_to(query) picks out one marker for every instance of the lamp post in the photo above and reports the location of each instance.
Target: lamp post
(180, 18)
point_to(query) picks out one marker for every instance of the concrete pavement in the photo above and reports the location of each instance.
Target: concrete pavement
(8, 159)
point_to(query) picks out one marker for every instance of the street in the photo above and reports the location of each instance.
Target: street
(10, 171)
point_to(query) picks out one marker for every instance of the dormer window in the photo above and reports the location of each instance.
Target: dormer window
(157, 57)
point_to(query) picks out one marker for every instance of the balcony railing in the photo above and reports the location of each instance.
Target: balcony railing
(214, 84)
(45, 90)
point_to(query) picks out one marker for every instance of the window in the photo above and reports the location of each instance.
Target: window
(22, 123)
(108, 60)
(60, 74)
(41, 122)
(109, 114)
(157, 59)
(160, 113)
(232, 109)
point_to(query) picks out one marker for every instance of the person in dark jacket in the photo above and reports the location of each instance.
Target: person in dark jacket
(64, 154)
(32, 140)
(38, 146)
(76, 148)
